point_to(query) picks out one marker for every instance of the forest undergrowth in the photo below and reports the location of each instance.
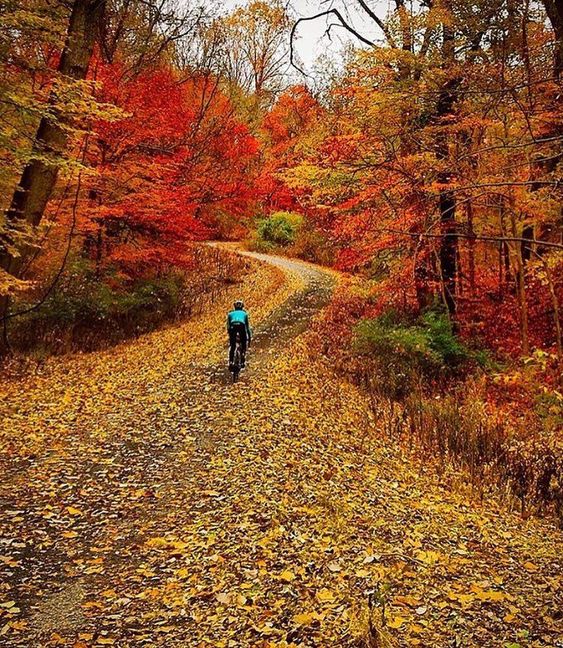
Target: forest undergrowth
(88, 309)
(454, 404)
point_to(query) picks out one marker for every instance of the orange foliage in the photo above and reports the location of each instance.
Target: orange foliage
(166, 170)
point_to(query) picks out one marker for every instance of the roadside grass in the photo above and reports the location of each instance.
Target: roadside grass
(89, 309)
(451, 404)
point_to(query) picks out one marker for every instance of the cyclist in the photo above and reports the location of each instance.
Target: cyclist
(237, 322)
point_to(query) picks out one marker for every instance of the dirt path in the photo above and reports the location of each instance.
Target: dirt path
(147, 502)
(290, 318)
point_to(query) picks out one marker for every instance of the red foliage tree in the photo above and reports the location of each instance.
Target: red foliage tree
(285, 127)
(165, 171)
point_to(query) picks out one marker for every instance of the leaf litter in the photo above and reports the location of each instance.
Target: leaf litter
(153, 506)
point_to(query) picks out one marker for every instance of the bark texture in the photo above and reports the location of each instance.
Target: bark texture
(39, 175)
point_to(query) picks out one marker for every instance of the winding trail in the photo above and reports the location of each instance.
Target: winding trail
(148, 502)
(290, 318)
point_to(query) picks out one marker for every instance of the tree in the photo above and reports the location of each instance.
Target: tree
(167, 171)
(554, 10)
(147, 28)
(288, 129)
(427, 166)
(251, 52)
(40, 173)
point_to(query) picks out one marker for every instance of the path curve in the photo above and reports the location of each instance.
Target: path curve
(288, 320)
(143, 428)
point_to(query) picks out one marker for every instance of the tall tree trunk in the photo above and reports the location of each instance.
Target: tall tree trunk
(502, 248)
(471, 247)
(447, 201)
(554, 10)
(448, 249)
(39, 176)
(520, 283)
(556, 315)
(405, 66)
(526, 248)
(523, 303)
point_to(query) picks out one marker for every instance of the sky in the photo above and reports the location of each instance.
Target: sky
(312, 41)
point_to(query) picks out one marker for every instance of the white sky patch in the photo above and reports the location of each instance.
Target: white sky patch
(312, 40)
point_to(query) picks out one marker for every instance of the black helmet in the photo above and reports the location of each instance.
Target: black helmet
(239, 304)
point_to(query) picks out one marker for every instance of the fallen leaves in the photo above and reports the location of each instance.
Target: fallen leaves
(287, 576)
(69, 534)
(428, 557)
(194, 513)
(396, 622)
(477, 594)
(307, 618)
(325, 595)
(410, 601)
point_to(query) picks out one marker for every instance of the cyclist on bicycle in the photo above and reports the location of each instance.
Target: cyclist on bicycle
(237, 323)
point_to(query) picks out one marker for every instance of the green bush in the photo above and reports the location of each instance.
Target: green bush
(402, 353)
(85, 308)
(443, 341)
(280, 228)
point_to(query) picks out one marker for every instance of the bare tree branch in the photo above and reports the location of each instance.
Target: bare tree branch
(378, 22)
(328, 12)
(475, 237)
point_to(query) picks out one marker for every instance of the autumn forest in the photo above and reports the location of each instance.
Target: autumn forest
(380, 183)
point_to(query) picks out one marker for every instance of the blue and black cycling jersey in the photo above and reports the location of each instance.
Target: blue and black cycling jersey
(239, 317)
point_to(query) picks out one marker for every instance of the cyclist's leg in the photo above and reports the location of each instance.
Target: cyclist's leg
(232, 343)
(243, 344)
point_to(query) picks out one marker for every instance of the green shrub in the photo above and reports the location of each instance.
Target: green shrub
(443, 341)
(85, 308)
(402, 353)
(257, 244)
(280, 228)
